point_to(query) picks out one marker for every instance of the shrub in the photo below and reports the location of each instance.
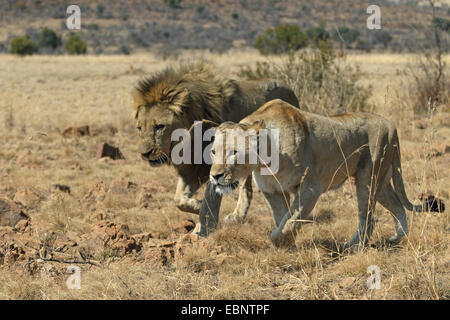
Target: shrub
(22, 45)
(323, 82)
(173, 3)
(382, 36)
(75, 45)
(282, 39)
(49, 38)
(317, 34)
(346, 35)
(100, 10)
(200, 8)
(429, 85)
(442, 24)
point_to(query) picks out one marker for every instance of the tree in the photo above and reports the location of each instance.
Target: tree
(22, 45)
(75, 45)
(282, 39)
(346, 35)
(49, 38)
(317, 34)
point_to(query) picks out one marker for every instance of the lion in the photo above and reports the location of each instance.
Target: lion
(315, 154)
(175, 98)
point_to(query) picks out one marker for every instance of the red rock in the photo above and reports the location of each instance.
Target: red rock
(96, 191)
(110, 236)
(79, 131)
(437, 150)
(184, 226)
(60, 188)
(24, 157)
(10, 213)
(142, 237)
(122, 186)
(106, 150)
(27, 197)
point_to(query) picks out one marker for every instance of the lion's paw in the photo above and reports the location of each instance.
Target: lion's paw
(282, 239)
(233, 219)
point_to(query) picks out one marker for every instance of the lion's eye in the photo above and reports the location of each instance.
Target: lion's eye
(139, 129)
(158, 127)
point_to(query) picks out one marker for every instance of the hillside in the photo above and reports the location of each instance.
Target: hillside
(167, 25)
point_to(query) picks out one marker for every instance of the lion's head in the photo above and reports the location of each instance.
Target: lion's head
(174, 99)
(234, 154)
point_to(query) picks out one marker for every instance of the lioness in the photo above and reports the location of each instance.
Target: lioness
(177, 97)
(317, 154)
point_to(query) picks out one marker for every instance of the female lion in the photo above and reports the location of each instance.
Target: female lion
(315, 154)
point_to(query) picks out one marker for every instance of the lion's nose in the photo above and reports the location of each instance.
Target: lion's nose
(217, 176)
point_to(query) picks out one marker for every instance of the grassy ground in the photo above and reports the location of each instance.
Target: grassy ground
(42, 95)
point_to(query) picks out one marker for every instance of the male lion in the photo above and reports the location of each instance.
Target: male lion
(316, 154)
(177, 97)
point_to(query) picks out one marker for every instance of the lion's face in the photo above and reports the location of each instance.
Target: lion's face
(231, 153)
(155, 125)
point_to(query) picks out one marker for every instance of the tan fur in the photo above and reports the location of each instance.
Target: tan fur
(176, 98)
(317, 154)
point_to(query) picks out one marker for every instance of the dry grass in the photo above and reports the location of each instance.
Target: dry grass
(40, 96)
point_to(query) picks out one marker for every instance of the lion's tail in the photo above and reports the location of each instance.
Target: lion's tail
(397, 179)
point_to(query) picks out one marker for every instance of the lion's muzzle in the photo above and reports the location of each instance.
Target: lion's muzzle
(155, 157)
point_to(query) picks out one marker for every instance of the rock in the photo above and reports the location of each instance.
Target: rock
(27, 197)
(79, 131)
(10, 213)
(122, 186)
(184, 226)
(23, 226)
(60, 187)
(142, 237)
(143, 198)
(111, 237)
(97, 216)
(347, 282)
(420, 124)
(14, 253)
(24, 157)
(159, 256)
(106, 150)
(437, 150)
(96, 191)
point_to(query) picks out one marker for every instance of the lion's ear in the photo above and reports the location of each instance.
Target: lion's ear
(204, 125)
(179, 100)
(254, 126)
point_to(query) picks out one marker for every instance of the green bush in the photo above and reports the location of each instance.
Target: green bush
(22, 45)
(49, 38)
(442, 24)
(317, 34)
(322, 81)
(75, 45)
(173, 3)
(346, 35)
(383, 37)
(282, 39)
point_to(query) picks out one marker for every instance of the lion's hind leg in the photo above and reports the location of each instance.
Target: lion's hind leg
(365, 191)
(389, 199)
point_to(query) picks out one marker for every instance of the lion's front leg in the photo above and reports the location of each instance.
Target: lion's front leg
(245, 198)
(305, 200)
(209, 211)
(183, 196)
